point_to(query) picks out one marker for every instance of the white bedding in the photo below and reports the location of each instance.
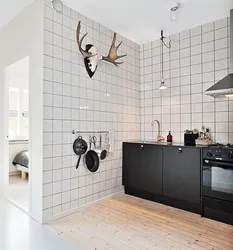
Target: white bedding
(21, 168)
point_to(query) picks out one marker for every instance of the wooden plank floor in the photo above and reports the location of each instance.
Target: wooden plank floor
(126, 223)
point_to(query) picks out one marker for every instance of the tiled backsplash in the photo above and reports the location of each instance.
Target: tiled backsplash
(197, 59)
(109, 101)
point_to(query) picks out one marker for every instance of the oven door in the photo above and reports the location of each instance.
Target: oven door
(217, 180)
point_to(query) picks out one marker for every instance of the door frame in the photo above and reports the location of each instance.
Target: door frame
(6, 133)
(6, 137)
(22, 38)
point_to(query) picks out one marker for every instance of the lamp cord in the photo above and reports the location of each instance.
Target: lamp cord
(161, 55)
(167, 46)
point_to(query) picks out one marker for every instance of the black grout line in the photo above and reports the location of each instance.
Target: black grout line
(126, 75)
(215, 127)
(190, 37)
(128, 96)
(202, 72)
(202, 77)
(176, 86)
(190, 86)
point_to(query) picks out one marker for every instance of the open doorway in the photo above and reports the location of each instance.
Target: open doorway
(17, 119)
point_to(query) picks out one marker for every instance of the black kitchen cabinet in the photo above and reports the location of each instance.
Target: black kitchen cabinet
(132, 169)
(142, 167)
(181, 177)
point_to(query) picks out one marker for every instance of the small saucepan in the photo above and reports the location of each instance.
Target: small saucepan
(102, 153)
(80, 148)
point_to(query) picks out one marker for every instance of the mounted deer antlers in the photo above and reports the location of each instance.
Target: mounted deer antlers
(84, 52)
(112, 55)
(92, 56)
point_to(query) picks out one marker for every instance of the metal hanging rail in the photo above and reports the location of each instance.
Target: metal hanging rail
(89, 132)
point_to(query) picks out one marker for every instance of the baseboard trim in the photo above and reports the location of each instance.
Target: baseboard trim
(74, 210)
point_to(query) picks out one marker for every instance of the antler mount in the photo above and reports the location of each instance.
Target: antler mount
(112, 55)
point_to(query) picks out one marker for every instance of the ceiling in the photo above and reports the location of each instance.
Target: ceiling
(142, 20)
(138, 20)
(10, 8)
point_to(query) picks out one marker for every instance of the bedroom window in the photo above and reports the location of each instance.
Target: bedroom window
(18, 114)
(17, 79)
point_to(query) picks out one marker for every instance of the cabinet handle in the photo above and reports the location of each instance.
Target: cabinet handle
(180, 150)
(142, 147)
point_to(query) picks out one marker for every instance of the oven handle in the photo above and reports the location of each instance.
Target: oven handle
(208, 163)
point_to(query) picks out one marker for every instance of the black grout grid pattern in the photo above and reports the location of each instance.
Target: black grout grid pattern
(109, 101)
(198, 58)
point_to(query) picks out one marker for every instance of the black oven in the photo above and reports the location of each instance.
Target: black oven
(218, 180)
(217, 184)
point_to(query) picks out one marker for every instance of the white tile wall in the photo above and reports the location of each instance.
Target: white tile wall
(125, 99)
(198, 58)
(111, 100)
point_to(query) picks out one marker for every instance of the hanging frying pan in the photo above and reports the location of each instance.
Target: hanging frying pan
(92, 161)
(91, 158)
(80, 148)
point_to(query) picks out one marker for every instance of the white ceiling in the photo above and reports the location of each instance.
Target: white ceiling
(10, 8)
(141, 20)
(138, 20)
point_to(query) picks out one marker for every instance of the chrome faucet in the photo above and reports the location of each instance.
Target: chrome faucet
(159, 137)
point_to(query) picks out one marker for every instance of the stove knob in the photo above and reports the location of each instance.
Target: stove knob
(230, 156)
(209, 154)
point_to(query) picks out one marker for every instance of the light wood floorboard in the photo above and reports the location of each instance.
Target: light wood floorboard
(126, 222)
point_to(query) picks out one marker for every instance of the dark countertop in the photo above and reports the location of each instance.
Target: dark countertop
(174, 144)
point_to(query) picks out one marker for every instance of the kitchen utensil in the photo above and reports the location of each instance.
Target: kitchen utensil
(106, 145)
(102, 153)
(93, 140)
(80, 148)
(91, 157)
(92, 161)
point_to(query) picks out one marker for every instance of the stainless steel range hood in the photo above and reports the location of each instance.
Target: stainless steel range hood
(225, 86)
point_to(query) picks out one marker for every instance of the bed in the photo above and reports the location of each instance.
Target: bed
(21, 162)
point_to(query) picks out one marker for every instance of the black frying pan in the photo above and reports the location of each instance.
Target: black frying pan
(92, 161)
(91, 158)
(80, 148)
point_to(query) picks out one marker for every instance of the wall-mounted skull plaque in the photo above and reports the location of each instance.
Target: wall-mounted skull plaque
(92, 56)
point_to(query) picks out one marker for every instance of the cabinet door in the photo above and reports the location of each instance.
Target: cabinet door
(142, 167)
(132, 168)
(181, 173)
(152, 169)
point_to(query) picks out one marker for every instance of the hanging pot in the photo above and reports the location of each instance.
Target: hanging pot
(102, 153)
(91, 157)
(80, 148)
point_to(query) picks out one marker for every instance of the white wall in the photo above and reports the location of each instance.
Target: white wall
(110, 100)
(22, 37)
(198, 58)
